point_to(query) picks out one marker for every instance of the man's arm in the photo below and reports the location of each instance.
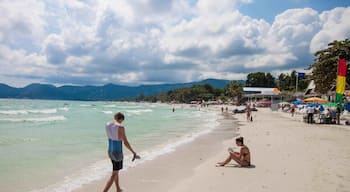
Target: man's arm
(122, 136)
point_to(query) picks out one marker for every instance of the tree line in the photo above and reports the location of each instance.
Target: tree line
(233, 90)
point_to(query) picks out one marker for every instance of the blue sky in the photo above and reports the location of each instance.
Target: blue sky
(132, 42)
(268, 9)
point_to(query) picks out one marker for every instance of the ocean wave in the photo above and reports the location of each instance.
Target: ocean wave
(86, 105)
(29, 139)
(131, 106)
(64, 108)
(107, 112)
(139, 111)
(110, 106)
(22, 112)
(40, 119)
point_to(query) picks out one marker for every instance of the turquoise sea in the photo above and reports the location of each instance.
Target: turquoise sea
(61, 145)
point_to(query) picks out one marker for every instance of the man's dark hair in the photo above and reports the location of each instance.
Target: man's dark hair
(239, 139)
(119, 116)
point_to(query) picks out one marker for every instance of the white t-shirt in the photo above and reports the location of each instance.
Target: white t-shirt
(112, 130)
(310, 110)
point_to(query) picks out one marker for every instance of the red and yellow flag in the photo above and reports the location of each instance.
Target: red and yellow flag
(341, 80)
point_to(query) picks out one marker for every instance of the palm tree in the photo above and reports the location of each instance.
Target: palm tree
(234, 89)
(324, 70)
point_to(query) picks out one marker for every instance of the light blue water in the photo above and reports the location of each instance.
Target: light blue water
(60, 145)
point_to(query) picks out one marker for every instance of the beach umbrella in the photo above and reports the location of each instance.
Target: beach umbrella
(321, 108)
(297, 102)
(315, 100)
(330, 104)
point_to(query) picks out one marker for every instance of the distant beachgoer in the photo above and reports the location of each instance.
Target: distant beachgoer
(173, 109)
(222, 109)
(116, 137)
(248, 111)
(242, 157)
(226, 109)
(310, 114)
(338, 111)
(328, 113)
(292, 110)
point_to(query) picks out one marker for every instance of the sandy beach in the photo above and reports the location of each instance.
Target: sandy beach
(287, 155)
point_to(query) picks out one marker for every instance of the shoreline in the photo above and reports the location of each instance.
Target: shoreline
(287, 155)
(167, 169)
(99, 169)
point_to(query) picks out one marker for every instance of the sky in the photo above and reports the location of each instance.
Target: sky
(133, 42)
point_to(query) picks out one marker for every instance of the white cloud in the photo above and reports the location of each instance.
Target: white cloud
(335, 26)
(21, 22)
(19, 62)
(135, 42)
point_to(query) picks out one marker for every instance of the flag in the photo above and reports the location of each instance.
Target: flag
(341, 80)
(301, 75)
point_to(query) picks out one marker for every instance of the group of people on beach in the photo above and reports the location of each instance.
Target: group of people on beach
(117, 137)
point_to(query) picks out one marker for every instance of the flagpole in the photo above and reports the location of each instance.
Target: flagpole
(296, 83)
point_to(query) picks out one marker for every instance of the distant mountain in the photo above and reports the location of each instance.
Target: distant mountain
(105, 92)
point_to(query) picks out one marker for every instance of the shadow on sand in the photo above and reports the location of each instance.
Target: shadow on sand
(238, 166)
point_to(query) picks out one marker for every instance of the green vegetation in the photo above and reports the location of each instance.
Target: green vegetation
(287, 82)
(185, 95)
(234, 90)
(204, 92)
(260, 79)
(324, 70)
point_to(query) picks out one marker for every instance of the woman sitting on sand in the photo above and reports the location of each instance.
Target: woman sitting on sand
(242, 158)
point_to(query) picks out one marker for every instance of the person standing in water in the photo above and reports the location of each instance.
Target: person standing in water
(116, 137)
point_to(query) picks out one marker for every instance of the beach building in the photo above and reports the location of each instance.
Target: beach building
(261, 95)
(260, 91)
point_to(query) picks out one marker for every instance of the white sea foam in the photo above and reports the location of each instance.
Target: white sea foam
(64, 108)
(85, 105)
(13, 112)
(43, 111)
(22, 112)
(39, 119)
(101, 169)
(139, 111)
(110, 106)
(131, 106)
(29, 139)
(107, 112)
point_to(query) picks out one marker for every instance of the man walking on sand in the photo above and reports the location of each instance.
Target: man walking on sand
(116, 136)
